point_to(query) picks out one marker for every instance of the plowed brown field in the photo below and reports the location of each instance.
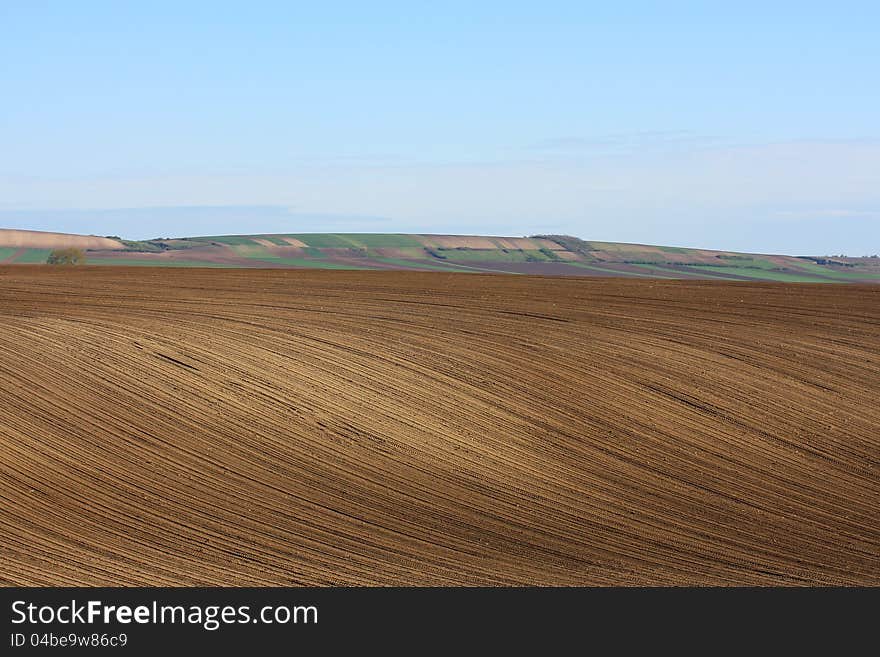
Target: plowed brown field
(299, 427)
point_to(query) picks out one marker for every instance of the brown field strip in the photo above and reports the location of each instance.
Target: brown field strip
(257, 427)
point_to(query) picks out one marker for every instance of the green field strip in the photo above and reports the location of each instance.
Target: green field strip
(675, 249)
(755, 263)
(304, 262)
(414, 264)
(615, 247)
(849, 274)
(673, 274)
(133, 262)
(383, 240)
(6, 251)
(760, 274)
(33, 256)
(351, 242)
(231, 240)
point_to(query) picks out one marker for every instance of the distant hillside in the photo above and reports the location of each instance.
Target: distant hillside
(555, 255)
(34, 239)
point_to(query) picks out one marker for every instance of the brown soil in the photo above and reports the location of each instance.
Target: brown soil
(264, 427)
(33, 239)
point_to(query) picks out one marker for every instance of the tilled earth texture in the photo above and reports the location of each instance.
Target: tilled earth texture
(276, 427)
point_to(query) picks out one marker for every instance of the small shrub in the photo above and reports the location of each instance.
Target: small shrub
(66, 257)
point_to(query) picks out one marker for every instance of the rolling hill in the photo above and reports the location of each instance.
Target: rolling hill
(545, 255)
(278, 427)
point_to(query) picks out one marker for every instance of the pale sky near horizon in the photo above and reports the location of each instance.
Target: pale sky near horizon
(750, 126)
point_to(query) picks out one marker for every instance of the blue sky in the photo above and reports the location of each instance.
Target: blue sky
(747, 125)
